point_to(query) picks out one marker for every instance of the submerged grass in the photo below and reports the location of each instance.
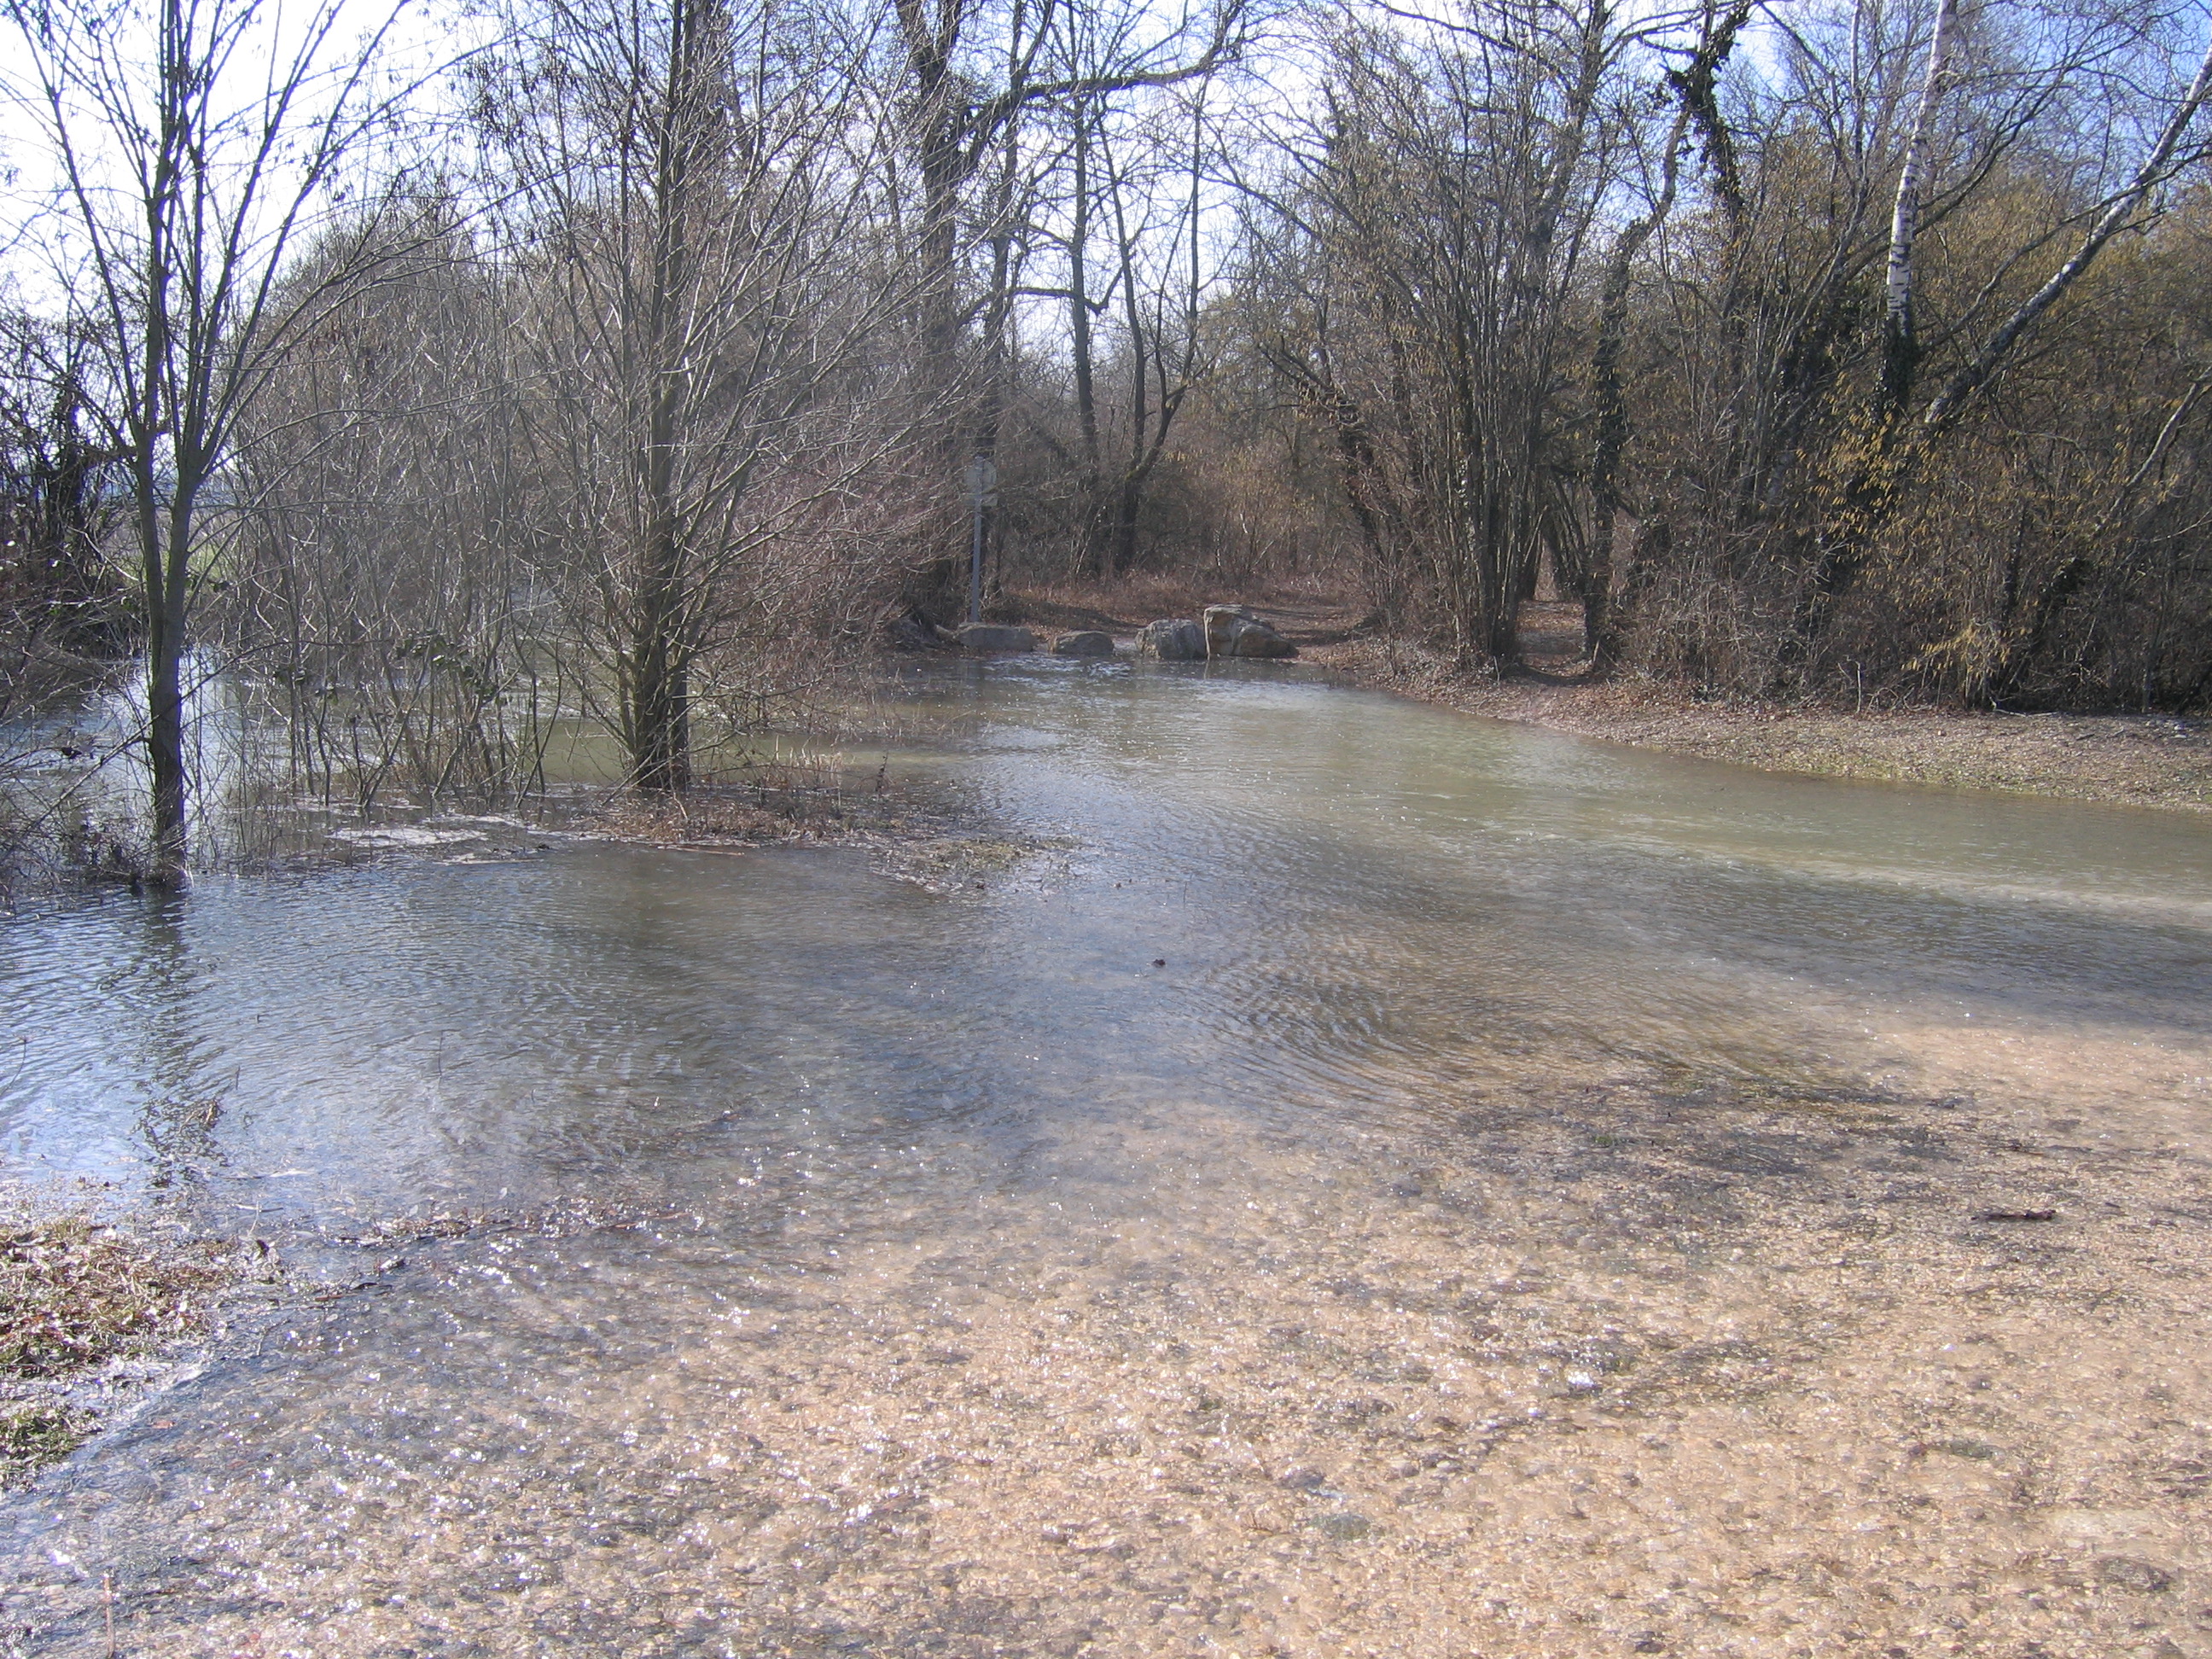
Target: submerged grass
(77, 1293)
(38, 1432)
(928, 846)
(744, 814)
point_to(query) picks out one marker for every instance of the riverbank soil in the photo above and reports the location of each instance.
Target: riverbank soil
(2139, 760)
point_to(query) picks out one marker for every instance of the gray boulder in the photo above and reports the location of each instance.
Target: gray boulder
(1086, 642)
(1172, 639)
(1233, 631)
(989, 637)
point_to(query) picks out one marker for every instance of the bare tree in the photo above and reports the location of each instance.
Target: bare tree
(1146, 184)
(1592, 576)
(59, 597)
(198, 143)
(1900, 350)
(972, 74)
(1451, 196)
(383, 588)
(706, 289)
(1878, 470)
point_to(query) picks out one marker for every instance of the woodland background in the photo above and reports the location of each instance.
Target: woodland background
(438, 370)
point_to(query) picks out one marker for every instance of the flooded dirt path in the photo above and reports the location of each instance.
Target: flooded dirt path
(1380, 1182)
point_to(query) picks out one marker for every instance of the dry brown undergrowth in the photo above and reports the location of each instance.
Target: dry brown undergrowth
(765, 815)
(930, 849)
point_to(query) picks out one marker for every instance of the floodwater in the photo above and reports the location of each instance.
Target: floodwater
(1371, 1182)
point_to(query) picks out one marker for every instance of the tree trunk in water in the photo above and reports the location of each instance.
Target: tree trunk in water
(164, 727)
(166, 559)
(165, 542)
(661, 721)
(659, 669)
(658, 717)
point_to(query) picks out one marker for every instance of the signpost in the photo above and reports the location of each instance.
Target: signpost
(982, 482)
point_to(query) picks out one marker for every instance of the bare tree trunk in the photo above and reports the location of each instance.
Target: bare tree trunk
(165, 563)
(954, 126)
(998, 317)
(1157, 388)
(165, 709)
(1096, 553)
(658, 720)
(1129, 487)
(2156, 170)
(1594, 586)
(1862, 506)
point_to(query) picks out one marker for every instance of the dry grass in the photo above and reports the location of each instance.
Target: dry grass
(951, 863)
(927, 848)
(36, 1432)
(75, 1292)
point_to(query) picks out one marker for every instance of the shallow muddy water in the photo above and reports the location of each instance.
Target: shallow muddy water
(1374, 1182)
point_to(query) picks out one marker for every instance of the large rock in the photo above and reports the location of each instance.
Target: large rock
(989, 637)
(1172, 639)
(1233, 631)
(1087, 642)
